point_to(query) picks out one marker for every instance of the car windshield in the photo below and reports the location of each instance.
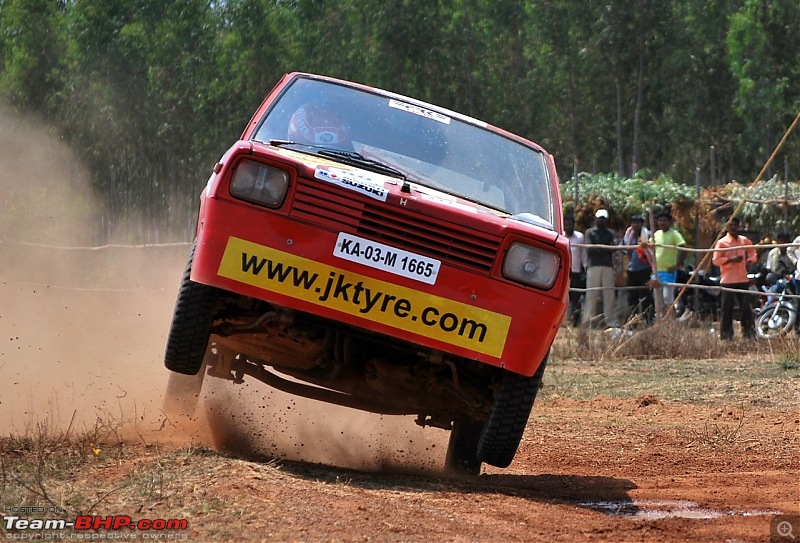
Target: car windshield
(429, 145)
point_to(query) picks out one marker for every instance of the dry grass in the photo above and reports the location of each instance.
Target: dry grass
(669, 339)
(718, 434)
(676, 363)
(787, 352)
(60, 470)
(29, 463)
(34, 462)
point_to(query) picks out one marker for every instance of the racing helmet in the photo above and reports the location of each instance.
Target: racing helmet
(319, 124)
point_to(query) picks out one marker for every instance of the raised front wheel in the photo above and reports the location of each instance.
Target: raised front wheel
(191, 323)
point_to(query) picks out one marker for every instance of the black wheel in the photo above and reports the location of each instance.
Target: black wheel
(462, 448)
(681, 309)
(772, 323)
(191, 322)
(507, 420)
(183, 391)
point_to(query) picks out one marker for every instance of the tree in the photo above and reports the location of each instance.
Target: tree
(134, 103)
(765, 62)
(150, 92)
(695, 91)
(31, 46)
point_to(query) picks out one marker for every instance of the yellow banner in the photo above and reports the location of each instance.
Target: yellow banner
(403, 308)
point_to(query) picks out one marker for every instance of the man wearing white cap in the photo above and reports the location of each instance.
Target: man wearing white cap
(600, 273)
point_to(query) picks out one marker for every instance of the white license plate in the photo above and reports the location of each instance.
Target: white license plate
(387, 258)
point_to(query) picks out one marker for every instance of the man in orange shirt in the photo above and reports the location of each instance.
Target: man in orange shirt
(733, 267)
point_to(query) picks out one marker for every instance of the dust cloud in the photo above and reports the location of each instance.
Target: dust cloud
(81, 330)
(82, 334)
(254, 419)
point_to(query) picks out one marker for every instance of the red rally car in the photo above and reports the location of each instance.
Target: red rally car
(370, 250)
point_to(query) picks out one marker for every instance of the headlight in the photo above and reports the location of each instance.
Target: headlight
(532, 266)
(259, 183)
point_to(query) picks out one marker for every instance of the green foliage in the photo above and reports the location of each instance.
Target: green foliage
(765, 61)
(623, 197)
(626, 196)
(764, 212)
(31, 40)
(149, 93)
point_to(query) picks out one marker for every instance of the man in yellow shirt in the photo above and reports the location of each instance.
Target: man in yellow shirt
(668, 259)
(733, 267)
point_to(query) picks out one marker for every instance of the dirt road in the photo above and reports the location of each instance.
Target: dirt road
(603, 459)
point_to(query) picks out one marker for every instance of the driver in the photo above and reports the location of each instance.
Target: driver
(319, 124)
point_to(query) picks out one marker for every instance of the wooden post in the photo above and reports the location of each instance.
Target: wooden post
(695, 292)
(712, 166)
(577, 193)
(786, 193)
(658, 299)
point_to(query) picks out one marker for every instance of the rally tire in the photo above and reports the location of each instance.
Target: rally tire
(462, 448)
(508, 418)
(191, 323)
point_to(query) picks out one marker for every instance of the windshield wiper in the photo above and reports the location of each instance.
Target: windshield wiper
(349, 157)
(357, 159)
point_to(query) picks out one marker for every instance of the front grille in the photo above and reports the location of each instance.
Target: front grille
(327, 207)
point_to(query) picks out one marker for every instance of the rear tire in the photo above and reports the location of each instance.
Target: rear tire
(191, 323)
(509, 416)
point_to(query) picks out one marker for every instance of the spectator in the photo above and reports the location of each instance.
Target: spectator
(600, 269)
(733, 267)
(639, 269)
(668, 259)
(779, 261)
(794, 251)
(577, 275)
(779, 264)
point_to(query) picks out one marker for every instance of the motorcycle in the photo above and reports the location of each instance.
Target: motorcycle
(779, 315)
(707, 302)
(703, 302)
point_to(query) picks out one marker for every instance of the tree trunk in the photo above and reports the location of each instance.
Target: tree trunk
(620, 153)
(637, 112)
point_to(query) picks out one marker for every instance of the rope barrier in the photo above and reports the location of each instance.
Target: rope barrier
(89, 248)
(572, 289)
(82, 289)
(758, 247)
(187, 244)
(96, 247)
(719, 288)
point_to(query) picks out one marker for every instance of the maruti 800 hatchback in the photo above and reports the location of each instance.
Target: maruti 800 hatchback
(370, 250)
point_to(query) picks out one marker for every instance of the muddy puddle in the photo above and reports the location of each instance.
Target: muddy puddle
(661, 509)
